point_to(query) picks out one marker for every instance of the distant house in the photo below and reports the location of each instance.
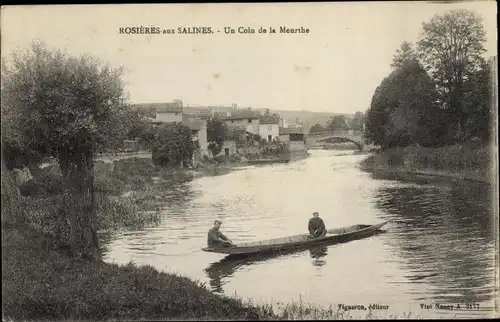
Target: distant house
(222, 111)
(169, 112)
(163, 112)
(249, 118)
(269, 127)
(295, 138)
(200, 112)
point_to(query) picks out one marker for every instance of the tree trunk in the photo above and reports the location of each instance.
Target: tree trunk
(12, 214)
(80, 202)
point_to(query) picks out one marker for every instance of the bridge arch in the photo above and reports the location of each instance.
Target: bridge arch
(354, 136)
(359, 145)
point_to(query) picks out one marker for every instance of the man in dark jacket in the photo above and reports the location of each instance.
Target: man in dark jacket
(216, 239)
(316, 226)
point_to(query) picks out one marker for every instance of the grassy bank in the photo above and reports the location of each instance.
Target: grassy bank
(462, 162)
(41, 282)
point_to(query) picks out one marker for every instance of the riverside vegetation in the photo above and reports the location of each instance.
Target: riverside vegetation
(434, 114)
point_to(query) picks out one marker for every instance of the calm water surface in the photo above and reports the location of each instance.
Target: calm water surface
(438, 247)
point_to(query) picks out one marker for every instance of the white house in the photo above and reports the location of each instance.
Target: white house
(249, 118)
(269, 128)
(169, 112)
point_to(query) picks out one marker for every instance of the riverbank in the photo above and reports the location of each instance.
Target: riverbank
(459, 162)
(41, 282)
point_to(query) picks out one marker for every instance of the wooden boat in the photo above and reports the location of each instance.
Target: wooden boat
(267, 161)
(333, 236)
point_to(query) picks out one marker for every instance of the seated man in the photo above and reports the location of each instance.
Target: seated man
(316, 226)
(216, 239)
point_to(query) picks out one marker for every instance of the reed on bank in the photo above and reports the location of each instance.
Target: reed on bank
(470, 161)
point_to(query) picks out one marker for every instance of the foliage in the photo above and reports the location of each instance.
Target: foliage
(41, 283)
(173, 145)
(403, 55)
(394, 118)
(317, 128)
(357, 121)
(451, 48)
(217, 132)
(478, 104)
(470, 161)
(337, 123)
(123, 123)
(59, 106)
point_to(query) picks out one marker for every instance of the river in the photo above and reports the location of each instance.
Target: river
(437, 249)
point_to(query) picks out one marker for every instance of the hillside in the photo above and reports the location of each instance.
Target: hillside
(308, 118)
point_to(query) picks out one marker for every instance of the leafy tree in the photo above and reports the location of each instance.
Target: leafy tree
(317, 128)
(173, 145)
(357, 121)
(124, 123)
(398, 104)
(337, 123)
(57, 106)
(451, 48)
(216, 135)
(478, 101)
(404, 54)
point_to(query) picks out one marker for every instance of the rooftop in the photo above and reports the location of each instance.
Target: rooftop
(270, 119)
(244, 114)
(173, 107)
(291, 130)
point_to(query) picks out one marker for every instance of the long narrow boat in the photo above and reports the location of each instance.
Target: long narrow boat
(336, 235)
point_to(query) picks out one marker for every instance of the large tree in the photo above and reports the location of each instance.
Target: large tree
(451, 47)
(173, 145)
(357, 121)
(124, 123)
(337, 123)
(478, 103)
(403, 55)
(398, 104)
(317, 128)
(216, 134)
(57, 106)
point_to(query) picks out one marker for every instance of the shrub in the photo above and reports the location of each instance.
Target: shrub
(44, 183)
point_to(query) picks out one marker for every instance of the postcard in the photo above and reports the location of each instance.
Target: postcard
(250, 161)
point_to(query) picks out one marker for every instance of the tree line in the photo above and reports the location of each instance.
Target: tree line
(340, 123)
(439, 92)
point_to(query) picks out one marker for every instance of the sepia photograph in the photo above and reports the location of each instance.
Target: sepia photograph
(250, 161)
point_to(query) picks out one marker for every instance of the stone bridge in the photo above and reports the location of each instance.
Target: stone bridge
(319, 138)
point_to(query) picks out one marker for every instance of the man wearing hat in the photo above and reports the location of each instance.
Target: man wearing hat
(316, 226)
(216, 239)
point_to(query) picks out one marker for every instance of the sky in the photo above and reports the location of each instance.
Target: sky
(335, 68)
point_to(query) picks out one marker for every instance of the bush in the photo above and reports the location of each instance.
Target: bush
(40, 283)
(49, 216)
(44, 183)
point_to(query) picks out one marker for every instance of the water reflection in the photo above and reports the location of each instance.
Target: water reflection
(443, 239)
(226, 267)
(318, 254)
